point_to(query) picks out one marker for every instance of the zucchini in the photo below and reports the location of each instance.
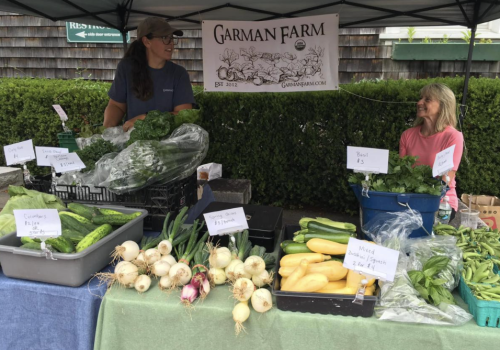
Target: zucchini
(67, 222)
(94, 236)
(82, 210)
(334, 237)
(314, 226)
(285, 243)
(295, 248)
(115, 220)
(72, 235)
(104, 211)
(61, 244)
(83, 221)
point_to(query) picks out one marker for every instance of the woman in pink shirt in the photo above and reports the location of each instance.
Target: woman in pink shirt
(434, 131)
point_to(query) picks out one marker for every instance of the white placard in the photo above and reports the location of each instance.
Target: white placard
(37, 223)
(43, 153)
(443, 162)
(283, 55)
(372, 160)
(371, 259)
(61, 112)
(63, 163)
(226, 221)
(18, 153)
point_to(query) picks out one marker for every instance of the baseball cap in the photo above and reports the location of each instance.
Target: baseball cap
(156, 26)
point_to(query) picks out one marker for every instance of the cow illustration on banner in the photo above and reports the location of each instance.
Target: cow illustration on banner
(298, 54)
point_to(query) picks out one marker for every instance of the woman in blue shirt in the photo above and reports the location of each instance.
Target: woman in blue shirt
(146, 79)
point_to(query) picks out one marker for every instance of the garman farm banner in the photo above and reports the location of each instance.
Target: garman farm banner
(297, 54)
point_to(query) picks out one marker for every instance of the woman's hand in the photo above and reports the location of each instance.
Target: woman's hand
(130, 123)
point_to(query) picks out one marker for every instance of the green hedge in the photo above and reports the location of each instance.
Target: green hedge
(291, 145)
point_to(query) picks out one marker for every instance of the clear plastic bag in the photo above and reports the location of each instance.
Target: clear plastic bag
(146, 162)
(117, 136)
(101, 171)
(424, 248)
(83, 142)
(399, 301)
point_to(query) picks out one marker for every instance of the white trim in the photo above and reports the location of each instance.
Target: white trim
(489, 30)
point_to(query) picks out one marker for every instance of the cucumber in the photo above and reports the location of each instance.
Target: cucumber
(61, 244)
(115, 220)
(68, 222)
(35, 246)
(82, 210)
(74, 236)
(295, 248)
(94, 236)
(83, 221)
(25, 240)
(104, 211)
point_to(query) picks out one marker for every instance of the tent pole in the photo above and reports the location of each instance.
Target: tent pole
(467, 74)
(124, 37)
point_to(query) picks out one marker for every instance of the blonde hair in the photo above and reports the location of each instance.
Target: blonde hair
(447, 105)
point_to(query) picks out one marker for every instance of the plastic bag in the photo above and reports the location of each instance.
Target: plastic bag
(100, 173)
(117, 136)
(83, 142)
(423, 248)
(399, 301)
(146, 162)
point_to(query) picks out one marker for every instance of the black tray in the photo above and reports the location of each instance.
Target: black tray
(158, 200)
(318, 303)
(264, 223)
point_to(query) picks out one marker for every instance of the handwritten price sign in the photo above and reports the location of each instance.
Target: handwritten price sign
(37, 223)
(18, 153)
(371, 160)
(63, 163)
(443, 162)
(226, 221)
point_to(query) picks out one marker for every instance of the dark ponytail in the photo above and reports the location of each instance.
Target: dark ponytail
(142, 85)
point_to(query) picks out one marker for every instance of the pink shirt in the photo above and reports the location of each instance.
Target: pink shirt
(413, 143)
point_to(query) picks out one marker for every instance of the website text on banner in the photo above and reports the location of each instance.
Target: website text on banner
(295, 54)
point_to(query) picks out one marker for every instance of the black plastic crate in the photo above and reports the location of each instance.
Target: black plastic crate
(318, 303)
(264, 223)
(158, 200)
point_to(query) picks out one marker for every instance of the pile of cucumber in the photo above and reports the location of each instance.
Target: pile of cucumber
(82, 226)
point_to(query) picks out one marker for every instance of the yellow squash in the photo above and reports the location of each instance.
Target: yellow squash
(295, 259)
(310, 283)
(324, 246)
(333, 270)
(297, 274)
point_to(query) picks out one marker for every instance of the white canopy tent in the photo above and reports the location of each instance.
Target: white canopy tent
(125, 15)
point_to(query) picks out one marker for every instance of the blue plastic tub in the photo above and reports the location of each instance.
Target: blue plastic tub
(383, 202)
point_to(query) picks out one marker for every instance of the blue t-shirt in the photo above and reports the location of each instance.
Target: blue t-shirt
(171, 88)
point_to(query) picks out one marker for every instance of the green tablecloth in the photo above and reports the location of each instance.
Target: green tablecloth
(155, 320)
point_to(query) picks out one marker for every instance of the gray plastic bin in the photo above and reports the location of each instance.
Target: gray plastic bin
(69, 269)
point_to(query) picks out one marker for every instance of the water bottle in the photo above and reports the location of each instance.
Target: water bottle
(444, 212)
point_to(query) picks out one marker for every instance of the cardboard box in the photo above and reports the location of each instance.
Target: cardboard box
(488, 206)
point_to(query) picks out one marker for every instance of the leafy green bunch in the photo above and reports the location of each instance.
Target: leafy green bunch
(430, 287)
(402, 177)
(93, 152)
(158, 125)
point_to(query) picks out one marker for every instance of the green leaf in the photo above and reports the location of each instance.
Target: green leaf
(422, 291)
(435, 265)
(438, 281)
(434, 295)
(416, 276)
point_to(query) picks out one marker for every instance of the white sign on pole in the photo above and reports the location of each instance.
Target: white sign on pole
(226, 221)
(371, 259)
(18, 153)
(372, 160)
(294, 54)
(443, 162)
(63, 163)
(43, 153)
(61, 112)
(39, 223)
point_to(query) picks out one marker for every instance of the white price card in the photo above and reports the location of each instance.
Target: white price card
(43, 154)
(63, 163)
(18, 153)
(443, 162)
(372, 160)
(371, 259)
(61, 112)
(226, 221)
(39, 223)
